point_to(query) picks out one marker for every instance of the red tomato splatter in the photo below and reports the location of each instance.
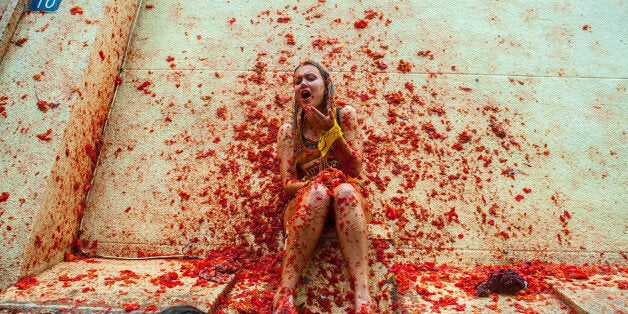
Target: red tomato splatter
(426, 53)
(457, 146)
(464, 137)
(130, 307)
(381, 65)
(359, 24)
(439, 223)
(26, 282)
(68, 278)
(409, 86)
(76, 10)
(391, 212)
(290, 39)
(20, 42)
(465, 89)
(170, 280)
(144, 87)
(498, 129)
(221, 112)
(395, 98)
(43, 105)
(370, 14)
(452, 215)
(320, 42)
(404, 67)
(45, 136)
(184, 196)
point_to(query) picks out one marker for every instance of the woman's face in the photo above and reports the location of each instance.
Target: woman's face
(309, 86)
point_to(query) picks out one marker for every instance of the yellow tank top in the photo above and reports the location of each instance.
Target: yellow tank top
(309, 152)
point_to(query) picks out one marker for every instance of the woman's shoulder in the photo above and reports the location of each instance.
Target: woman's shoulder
(347, 115)
(285, 130)
(347, 111)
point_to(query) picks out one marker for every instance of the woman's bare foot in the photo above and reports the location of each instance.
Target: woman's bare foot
(365, 308)
(283, 302)
(363, 304)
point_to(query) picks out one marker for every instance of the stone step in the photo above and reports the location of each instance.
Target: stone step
(114, 286)
(598, 294)
(97, 285)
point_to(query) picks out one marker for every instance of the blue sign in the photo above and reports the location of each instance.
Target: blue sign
(44, 5)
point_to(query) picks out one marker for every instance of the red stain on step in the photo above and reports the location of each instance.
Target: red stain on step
(76, 10)
(130, 307)
(26, 283)
(169, 280)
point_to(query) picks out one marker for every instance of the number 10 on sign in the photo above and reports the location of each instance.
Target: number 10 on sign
(44, 5)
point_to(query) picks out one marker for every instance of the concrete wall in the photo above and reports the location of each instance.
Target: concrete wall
(495, 131)
(56, 85)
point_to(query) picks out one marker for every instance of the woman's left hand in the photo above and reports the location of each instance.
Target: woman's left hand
(318, 120)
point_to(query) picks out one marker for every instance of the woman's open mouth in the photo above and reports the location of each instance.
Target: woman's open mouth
(305, 94)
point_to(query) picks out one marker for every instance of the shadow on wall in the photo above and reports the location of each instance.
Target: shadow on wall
(10, 13)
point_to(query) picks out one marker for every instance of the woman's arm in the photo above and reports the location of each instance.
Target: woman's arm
(348, 148)
(287, 166)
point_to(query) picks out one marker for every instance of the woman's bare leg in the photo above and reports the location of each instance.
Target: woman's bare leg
(302, 236)
(353, 237)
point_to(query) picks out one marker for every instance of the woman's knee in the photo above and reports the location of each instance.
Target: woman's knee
(317, 193)
(346, 195)
(316, 199)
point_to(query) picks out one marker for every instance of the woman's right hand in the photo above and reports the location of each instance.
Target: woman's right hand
(318, 120)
